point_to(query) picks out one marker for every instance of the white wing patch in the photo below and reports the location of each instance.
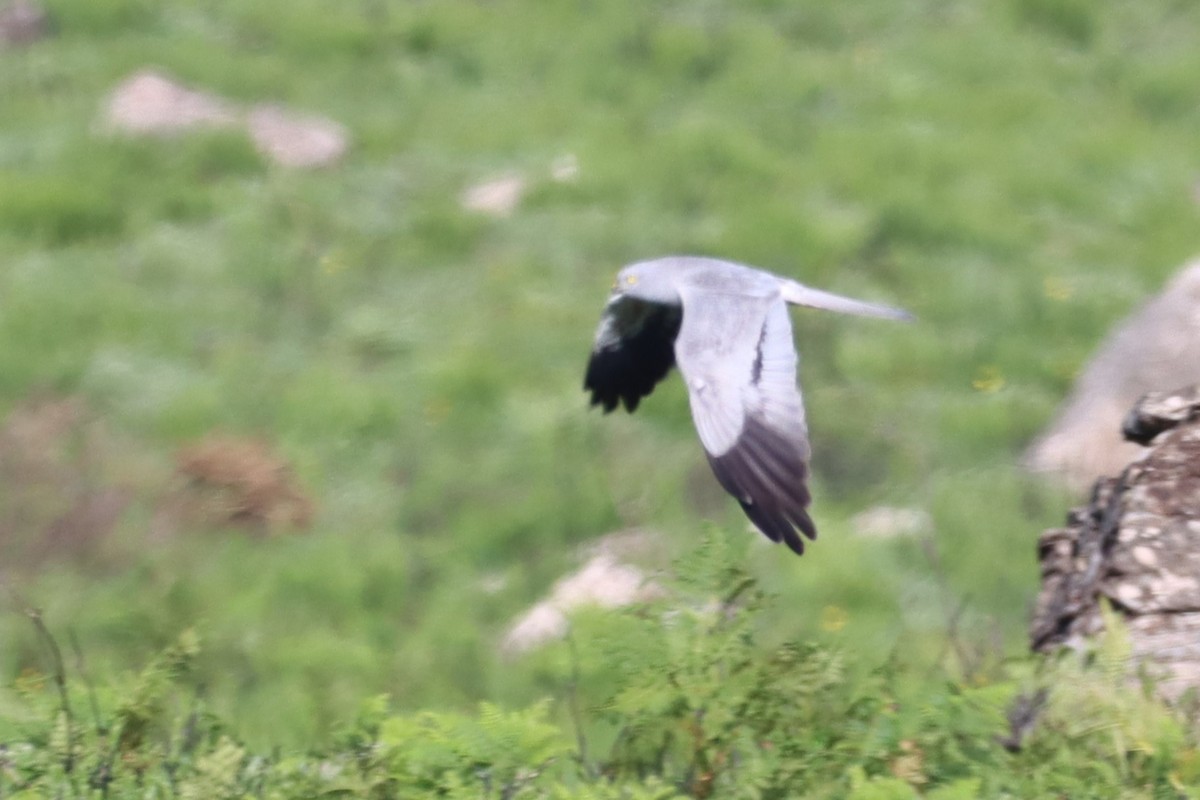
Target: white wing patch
(716, 350)
(774, 396)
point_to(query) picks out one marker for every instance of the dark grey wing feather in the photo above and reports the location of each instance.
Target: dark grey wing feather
(634, 350)
(767, 474)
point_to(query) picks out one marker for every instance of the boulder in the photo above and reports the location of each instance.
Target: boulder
(1135, 546)
(497, 197)
(607, 579)
(298, 140)
(1154, 350)
(149, 102)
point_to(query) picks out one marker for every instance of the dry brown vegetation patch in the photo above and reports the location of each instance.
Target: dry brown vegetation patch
(68, 483)
(227, 480)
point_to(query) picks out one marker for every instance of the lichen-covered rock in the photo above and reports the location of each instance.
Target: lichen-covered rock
(1159, 412)
(1136, 545)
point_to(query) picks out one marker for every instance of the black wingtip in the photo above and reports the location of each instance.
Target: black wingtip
(806, 526)
(622, 371)
(780, 527)
(767, 476)
(791, 538)
(609, 402)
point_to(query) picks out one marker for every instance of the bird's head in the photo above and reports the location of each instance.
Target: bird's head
(652, 281)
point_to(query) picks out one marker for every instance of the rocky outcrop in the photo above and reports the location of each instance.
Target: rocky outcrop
(149, 103)
(1136, 546)
(1156, 349)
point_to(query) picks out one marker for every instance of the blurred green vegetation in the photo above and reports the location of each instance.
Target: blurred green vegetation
(680, 698)
(1018, 173)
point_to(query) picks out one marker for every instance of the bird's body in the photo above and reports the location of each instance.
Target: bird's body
(726, 327)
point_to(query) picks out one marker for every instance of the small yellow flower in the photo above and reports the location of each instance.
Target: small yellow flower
(333, 263)
(833, 618)
(1057, 289)
(988, 380)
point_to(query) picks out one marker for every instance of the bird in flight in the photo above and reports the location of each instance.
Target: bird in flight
(726, 326)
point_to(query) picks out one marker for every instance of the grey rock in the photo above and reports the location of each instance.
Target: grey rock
(497, 197)
(608, 579)
(151, 103)
(1136, 546)
(291, 139)
(1160, 411)
(1155, 349)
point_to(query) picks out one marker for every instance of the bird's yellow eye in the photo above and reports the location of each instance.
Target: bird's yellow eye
(631, 279)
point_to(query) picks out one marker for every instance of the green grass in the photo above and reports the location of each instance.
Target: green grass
(420, 365)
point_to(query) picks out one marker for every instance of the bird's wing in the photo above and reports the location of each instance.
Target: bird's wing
(633, 351)
(738, 360)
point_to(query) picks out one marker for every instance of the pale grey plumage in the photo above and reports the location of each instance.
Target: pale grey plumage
(726, 325)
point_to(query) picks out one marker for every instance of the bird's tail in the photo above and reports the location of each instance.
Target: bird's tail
(801, 295)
